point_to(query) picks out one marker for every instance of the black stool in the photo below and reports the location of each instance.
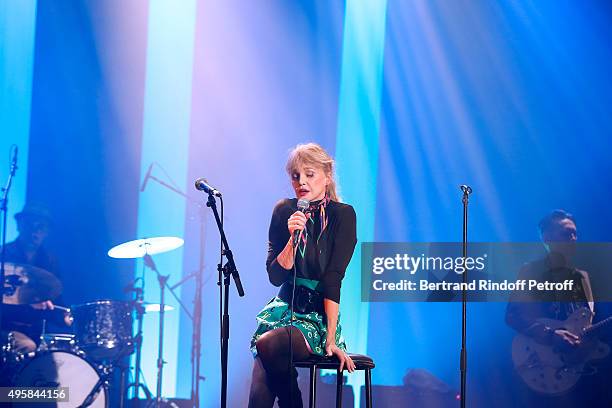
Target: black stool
(361, 361)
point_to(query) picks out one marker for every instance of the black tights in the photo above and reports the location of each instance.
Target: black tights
(271, 377)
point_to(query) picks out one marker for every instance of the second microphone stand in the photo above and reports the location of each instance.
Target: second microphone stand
(196, 345)
(467, 190)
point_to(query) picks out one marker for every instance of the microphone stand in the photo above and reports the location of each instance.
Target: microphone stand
(196, 317)
(467, 190)
(229, 269)
(4, 210)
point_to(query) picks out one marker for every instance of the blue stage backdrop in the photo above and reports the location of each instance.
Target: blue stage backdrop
(413, 97)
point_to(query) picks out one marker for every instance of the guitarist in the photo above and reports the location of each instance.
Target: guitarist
(559, 234)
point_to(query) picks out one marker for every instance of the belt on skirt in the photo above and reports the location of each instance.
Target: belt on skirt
(306, 300)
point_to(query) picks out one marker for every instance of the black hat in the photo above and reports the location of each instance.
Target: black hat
(34, 210)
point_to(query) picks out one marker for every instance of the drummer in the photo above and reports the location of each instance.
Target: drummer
(24, 322)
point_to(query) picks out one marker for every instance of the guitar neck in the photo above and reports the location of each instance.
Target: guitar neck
(597, 326)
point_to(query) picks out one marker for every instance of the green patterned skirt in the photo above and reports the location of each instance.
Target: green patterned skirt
(277, 314)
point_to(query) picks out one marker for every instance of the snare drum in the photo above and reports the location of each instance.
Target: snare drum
(103, 329)
(62, 369)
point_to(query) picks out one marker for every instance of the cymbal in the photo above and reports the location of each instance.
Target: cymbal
(156, 308)
(147, 246)
(28, 284)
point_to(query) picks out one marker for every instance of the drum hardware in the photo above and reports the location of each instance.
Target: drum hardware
(6, 348)
(140, 311)
(106, 370)
(57, 341)
(148, 246)
(9, 356)
(105, 373)
(60, 341)
(163, 281)
(42, 346)
(144, 248)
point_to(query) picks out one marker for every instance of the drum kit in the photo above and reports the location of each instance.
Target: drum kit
(101, 337)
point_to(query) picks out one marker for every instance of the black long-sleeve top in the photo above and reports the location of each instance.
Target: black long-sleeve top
(526, 308)
(326, 258)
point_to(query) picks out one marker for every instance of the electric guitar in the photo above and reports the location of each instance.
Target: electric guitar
(552, 369)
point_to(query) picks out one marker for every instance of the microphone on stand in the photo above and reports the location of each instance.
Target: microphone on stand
(302, 206)
(467, 190)
(146, 179)
(202, 185)
(14, 164)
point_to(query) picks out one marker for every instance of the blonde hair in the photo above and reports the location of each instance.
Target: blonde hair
(314, 155)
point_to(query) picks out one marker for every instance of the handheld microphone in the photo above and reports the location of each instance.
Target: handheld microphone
(146, 179)
(202, 185)
(302, 206)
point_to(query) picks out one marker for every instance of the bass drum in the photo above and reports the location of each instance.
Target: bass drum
(62, 369)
